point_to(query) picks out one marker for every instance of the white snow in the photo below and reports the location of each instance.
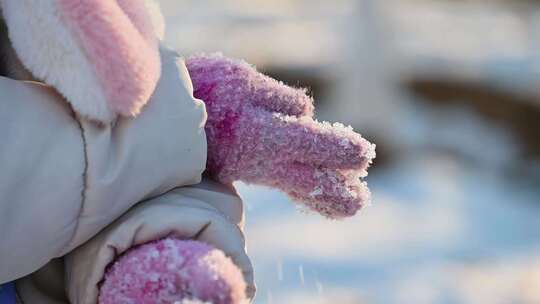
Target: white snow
(443, 227)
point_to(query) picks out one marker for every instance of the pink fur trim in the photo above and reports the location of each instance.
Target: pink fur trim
(137, 11)
(118, 40)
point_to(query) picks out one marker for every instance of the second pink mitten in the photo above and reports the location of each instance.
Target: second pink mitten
(173, 271)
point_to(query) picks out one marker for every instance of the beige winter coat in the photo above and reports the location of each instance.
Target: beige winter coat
(66, 184)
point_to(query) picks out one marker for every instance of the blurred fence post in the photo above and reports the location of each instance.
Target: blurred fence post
(366, 94)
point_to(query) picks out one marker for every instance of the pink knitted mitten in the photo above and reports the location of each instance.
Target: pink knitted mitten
(261, 131)
(173, 271)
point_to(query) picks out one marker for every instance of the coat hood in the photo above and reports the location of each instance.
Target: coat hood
(101, 55)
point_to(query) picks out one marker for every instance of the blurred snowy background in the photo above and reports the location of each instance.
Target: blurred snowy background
(450, 92)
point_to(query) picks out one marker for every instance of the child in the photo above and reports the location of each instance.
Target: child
(65, 177)
(107, 153)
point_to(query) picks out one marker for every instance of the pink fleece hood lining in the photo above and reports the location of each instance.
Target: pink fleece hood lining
(119, 41)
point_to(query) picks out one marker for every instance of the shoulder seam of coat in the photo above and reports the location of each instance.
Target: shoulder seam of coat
(84, 178)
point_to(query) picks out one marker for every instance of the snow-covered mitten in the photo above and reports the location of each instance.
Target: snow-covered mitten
(261, 131)
(173, 271)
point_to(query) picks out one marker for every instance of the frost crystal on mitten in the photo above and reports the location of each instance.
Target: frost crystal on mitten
(173, 271)
(261, 131)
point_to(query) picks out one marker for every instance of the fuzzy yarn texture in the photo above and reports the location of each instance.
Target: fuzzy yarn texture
(173, 271)
(120, 42)
(101, 55)
(263, 132)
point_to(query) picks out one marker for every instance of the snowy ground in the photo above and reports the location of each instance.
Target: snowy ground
(437, 232)
(444, 227)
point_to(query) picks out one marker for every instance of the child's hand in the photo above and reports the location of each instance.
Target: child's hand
(262, 131)
(169, 270)
(173, 271)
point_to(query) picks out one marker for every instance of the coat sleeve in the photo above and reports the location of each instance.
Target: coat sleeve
(64, 178)
(209, 212)
(41, 176)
